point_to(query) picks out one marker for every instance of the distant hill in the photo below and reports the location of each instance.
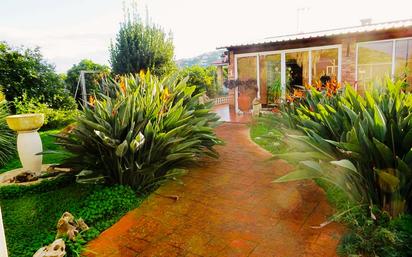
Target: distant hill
(205, 59)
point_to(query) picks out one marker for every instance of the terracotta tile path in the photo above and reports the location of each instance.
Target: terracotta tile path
(227, 207)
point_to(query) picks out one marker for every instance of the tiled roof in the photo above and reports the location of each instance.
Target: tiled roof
(331, 32)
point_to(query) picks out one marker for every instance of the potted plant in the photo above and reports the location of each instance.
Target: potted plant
(274, 91)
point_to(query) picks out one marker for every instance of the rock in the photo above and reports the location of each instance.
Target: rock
(68, 226)
(26, 176)
(55, 249)
(82, 225)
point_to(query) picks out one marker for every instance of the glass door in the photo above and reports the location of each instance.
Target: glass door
(270, 78)
(297, 71)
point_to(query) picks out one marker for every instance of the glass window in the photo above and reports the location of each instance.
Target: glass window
(324, 65)
(246, 68)
(374, 62)
(270, 78)
(403, 62)
(247, 71)
(297, 70)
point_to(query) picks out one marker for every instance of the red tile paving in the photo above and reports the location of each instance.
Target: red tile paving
(228, 115)
(227, 207)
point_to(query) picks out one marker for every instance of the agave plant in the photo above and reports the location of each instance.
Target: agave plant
(370, 136)
(139, 130)
(7, 138)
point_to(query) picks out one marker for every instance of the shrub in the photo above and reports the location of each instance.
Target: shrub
(367, 235)
(140, 130)
(381, 236)
(370, 135)
(26, 71)
(53, 118)
(204, 78)
(7, 138)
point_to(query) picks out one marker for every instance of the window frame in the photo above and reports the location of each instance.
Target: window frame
(283, 65)
(393, 61)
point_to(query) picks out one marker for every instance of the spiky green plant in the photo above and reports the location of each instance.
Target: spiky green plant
(363, 144)
(7, 138)
(140, 130)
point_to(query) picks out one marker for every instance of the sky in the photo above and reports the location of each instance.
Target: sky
(68, 31)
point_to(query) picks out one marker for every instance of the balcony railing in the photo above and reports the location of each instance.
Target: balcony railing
(221, 100)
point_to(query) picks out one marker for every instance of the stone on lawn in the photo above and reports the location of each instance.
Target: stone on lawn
(26, 176)
(68, 226)
(55, 249)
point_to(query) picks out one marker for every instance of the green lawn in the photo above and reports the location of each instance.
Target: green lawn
(30, 213)
(30, 220)
(264, 131)
(48, 145)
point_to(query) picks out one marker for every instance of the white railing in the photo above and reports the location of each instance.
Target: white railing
(221, 100)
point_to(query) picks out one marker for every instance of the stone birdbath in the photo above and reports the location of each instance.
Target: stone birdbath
(28, 139)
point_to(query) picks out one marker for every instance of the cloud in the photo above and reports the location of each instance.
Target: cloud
(63, 48)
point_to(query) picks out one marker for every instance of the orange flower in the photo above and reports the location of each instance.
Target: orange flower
(298, 93)
(91, 100)
(328, 93)
(142, 74)
(165, 94)
(122, 85)
(318, 85)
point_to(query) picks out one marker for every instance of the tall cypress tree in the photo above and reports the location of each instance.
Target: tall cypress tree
(139, 46)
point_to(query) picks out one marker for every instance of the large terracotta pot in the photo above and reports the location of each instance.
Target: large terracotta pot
(245, 99)
(245, 103)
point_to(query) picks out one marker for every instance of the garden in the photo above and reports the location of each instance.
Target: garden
(146, 122)
(142, 125)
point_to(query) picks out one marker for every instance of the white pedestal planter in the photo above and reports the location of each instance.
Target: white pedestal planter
(28, 139)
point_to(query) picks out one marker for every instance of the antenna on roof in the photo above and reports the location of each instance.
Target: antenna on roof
(366, 21)
(299, 13)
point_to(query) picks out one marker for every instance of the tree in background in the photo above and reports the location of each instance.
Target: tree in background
(23, 71)
(204, 78)
(139, 46)
(92, 79)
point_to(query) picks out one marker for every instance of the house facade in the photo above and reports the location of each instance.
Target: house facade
(358, 55)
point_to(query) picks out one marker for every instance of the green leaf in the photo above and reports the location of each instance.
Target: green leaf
(122, 149)
(345, 164)
(299, 156)
(137, 142)
(299, 174)
(389, 181)
(380, 123)
(385, 152)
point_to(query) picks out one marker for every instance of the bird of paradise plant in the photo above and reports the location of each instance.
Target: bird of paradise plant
(140, 131)
(361, 143)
